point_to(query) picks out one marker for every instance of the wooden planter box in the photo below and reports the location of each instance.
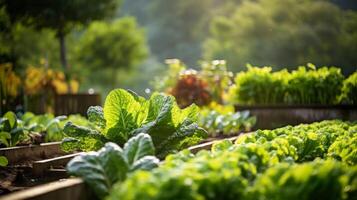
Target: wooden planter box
(274, 116)
(74, 188)
(35, 164)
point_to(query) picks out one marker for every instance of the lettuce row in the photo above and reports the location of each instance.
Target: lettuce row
(126, 114)
(285, 163)
(333, 139)
(111, 164)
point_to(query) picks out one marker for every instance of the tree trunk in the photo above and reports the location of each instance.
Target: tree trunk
(63, 57)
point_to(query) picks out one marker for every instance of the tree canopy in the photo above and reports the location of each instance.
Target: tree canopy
(58, 15)
(120, 44)
(284, 33)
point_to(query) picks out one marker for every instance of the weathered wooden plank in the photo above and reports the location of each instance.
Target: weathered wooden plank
(208, 145)
(71, 189)
(40, 167)
(20, 154)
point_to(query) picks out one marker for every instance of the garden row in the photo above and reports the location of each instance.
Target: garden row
(275, 98)
(124, 116)
(316, 161)
(304, 86)
(309, 161)
(213, 82)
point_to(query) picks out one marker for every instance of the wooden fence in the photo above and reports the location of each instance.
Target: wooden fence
(63, 104)
(75, 103)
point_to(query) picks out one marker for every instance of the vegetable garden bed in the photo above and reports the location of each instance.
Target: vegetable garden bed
(274, 116)
(32, 165)
(75, 188)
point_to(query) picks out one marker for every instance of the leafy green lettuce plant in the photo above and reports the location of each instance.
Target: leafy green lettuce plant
(112, 164)
(328, 180)
(349, 89)
(285, 163)
(227, 124)
(305, 85)
(126, 114)
(11, 130)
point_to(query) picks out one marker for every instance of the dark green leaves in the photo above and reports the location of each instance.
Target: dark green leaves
(100, 170)
(10, 131)
(126, 114)
(96, 116)
(138, 147)
(82, 138)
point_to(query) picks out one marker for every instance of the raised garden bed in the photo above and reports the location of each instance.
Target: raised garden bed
(274, 116)
(32, 165)
(74, 188)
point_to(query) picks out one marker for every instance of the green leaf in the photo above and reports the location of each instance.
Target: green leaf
(3, 161)
(12, 119)
(123, 112)
(137, 147)
(221, 145)
(4, 138)
(95, 115)
(145, 163)
(16, 135)
(86, 139)
(5, 125)
(170, 127)
(100, 170)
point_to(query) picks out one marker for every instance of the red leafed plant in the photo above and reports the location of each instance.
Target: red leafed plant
(190, 88)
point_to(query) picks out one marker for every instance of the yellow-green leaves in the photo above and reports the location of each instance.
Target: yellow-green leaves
(82, 138)
(300, 86)
(126, 114)
(12, 120)
(3, 161)
(123, 112)
(170, 127)
(281, 164)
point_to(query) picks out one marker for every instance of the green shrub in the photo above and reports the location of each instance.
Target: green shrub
(301, 86)
(349, 89)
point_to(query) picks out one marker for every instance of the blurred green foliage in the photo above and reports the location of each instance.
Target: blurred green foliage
(220, 120)
(210, 83)
(178, 28)
(284, 33)
(116, 45)
(22, 46)
(349, 89)
(261, 32)
(60, 16)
